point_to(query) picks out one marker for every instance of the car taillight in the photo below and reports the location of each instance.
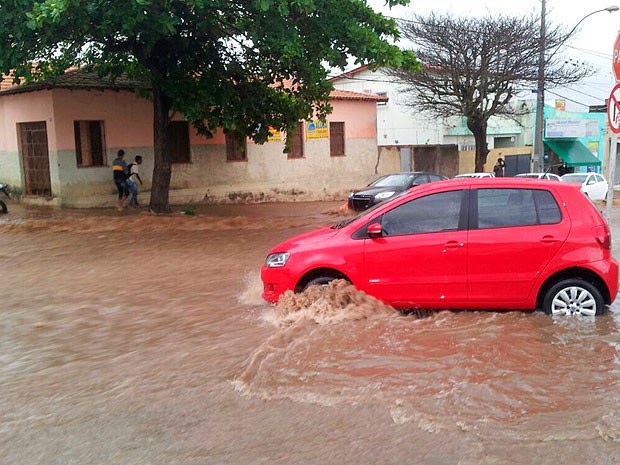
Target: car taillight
(602, 235)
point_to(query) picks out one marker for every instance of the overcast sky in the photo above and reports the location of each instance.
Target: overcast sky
(592, 43)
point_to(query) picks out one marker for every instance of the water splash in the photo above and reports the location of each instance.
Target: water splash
(337, 301)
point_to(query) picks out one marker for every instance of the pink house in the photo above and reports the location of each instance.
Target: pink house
(58, 139)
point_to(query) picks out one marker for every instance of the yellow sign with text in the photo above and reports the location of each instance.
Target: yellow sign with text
(317, 130)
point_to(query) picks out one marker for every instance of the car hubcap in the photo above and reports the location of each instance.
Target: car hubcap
(574, 301)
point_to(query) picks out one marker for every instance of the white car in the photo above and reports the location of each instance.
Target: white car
(594, 185)
(548, 176)
(475, 175)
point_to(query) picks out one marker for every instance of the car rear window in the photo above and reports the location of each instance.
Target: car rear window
(515, 207)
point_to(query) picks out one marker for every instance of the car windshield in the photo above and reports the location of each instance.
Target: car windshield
(393, 180)
(578, 178)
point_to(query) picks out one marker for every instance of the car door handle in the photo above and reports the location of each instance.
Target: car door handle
(549, 239)
(453, 244)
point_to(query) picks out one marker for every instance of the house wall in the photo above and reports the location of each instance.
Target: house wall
(266, 175)
(269, 174)
(16, 109)
(398, 122)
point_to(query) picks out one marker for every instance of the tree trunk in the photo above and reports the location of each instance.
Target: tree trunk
(479, 130)
(162, 171)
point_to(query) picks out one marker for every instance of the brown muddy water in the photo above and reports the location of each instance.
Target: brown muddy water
(129, 338)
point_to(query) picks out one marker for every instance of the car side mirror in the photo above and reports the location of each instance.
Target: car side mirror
(374, 230)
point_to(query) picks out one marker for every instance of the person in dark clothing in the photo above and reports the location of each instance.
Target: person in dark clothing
(119, 169)
(498, 169)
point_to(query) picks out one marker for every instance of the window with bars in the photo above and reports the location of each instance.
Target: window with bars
(236, 147)
(336, 139)
(89, 143)
(178, 142)
(295, 142)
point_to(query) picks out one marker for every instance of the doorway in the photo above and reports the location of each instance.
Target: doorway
(33, 139)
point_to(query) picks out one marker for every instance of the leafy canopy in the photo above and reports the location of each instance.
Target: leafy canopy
(243, 65)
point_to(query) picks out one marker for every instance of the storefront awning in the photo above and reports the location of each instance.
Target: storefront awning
(573, 152)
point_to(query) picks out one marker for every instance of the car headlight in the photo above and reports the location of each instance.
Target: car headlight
(277, 260)
(384, 195)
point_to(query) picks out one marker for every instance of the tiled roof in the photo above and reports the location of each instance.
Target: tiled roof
(80, 79)
(73, 79)
(6, 82)
(350, 74)
(338, 94)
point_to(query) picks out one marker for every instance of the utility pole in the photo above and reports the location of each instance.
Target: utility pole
(537, 158)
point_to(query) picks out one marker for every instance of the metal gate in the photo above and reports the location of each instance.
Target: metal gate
(516, 164)
(35, 153)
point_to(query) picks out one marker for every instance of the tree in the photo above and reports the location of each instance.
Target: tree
(240, 65)
(475, 67)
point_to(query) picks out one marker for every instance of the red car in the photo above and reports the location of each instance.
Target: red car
(502, 244)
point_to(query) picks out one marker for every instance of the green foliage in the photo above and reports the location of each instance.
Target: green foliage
(245, 65)
(242, 65)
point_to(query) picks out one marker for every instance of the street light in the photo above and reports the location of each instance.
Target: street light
(540, 97)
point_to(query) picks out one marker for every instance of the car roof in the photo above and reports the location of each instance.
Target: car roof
(503, 182)
(411, 172)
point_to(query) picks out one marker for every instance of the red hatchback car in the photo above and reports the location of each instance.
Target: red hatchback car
(501, 244)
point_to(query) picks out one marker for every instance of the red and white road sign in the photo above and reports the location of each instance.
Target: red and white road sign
(613, 110)
(615, 64)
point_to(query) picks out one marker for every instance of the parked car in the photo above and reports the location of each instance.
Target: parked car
(389, 186)
(500, 244)
(548, 176)
(475, 175)
(594, 185)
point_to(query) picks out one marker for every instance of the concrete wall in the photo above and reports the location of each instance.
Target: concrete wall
(467, 158)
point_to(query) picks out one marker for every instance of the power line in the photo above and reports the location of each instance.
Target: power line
(567, 98)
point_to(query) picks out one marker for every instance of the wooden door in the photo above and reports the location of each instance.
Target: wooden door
(36, 159)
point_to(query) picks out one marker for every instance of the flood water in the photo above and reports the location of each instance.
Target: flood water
(130, 338)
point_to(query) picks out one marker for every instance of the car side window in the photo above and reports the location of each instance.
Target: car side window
(434, 177)
(420, 179)
(432, 213)
(547, 209)
(516, 207)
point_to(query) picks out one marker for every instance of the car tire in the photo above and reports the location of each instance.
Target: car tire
(319, 281)
(573, 297)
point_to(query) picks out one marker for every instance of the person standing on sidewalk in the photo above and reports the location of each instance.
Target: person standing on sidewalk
(119, 170)
(132, 180)
(499, 167)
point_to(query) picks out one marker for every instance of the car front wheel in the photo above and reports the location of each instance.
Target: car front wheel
(319, 281)
(573, 297)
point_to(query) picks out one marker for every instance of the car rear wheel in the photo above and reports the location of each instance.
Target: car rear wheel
(573, 297)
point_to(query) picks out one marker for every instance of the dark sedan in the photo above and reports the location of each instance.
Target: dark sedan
(389, 186)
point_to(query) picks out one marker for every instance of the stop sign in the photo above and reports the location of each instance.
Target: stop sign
(616, 62)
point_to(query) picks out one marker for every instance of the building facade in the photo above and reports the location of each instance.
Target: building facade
(58, 140)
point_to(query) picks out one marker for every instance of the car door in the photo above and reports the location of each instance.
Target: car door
(598, 187)
(513, 235)
(420, 260)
